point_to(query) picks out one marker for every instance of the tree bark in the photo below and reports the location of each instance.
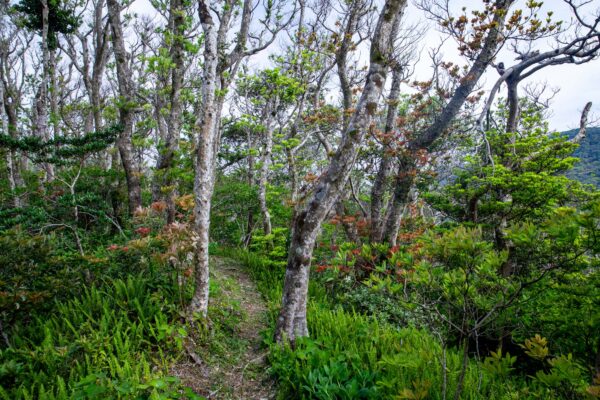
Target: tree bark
(513, 107)
(40, 124)
(10, 167)
(402, 186)
(247, 239)
(291, 322)
(126, 112)
(271, 109)
(10, 104)
(387, 161)
(206, 126)
(171, 141)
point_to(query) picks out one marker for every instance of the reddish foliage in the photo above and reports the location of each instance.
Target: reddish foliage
(321, 268)
(143, 231)
(158, 206)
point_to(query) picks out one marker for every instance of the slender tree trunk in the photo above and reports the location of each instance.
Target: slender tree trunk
(41, 101)
(10, 166)
(54, 106)
(13, 158)
(126, 113)
(291, 322)
(206, 127)
(250, 180)
(171, 139)
(265, 164)
(463, 370)
(387, 161)
(513, 107)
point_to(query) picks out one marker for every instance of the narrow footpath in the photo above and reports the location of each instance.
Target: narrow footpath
(233, 364)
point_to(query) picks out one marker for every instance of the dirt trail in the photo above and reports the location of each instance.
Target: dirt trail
(240, 372)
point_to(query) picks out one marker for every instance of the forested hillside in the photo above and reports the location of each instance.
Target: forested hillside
(587, 170)
(297, 199)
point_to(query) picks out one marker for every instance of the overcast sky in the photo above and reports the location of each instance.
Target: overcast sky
(578, 84)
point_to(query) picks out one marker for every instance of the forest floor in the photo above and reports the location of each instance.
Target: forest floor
(231, 363)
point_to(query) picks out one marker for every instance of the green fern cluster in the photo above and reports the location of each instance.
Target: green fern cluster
(112, 342)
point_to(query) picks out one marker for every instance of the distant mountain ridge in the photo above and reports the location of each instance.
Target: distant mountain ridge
(587, 170)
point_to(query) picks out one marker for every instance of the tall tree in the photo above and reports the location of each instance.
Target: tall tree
(127, 106)
(291, 322)
(175, 38)
(218, 70)
(482, 49)
(12, 51)
(49, 19)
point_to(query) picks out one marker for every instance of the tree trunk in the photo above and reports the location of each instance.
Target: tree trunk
(291, 322)
(247, 239)
(126, 114)
(9, 106)
(54, 106)
(41, 101)
(463, 369)
(406, 173)
(513, 107)
(10, 165)
(403, 184)
(101, 36)
(387, 161)
(171, 141)
(265, 163)
(206, 126)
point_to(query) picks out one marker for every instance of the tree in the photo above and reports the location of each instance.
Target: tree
(13, 46)
(291, 322)
(49, 18)
(176, 42)
(127, 105)
(481, 44)
(218, 70)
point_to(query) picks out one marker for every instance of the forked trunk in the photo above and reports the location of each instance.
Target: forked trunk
(126, 115)
(387, 162)
(403, 184)
(291, 322)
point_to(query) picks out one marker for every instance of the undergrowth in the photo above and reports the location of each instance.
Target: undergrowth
(113, 342)
(353, 356)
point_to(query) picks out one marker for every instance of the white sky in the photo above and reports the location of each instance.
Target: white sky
(578, 84)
